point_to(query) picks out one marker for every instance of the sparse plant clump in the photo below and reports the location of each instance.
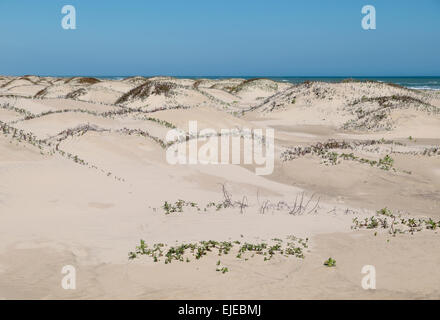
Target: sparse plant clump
(385, 219)
(433, 151)
(369, 117)
(325, 152)
(197, 83)
(391, 84)
(262, 83)
(13, 80)
(386, 163)
(144, 133)
(161, 122)
(22, 111)
(330, 262)
(107, 114)
(77, 131)
(387, 101)
(82, 80)
(243, 251)
(242, 85)
(41, 93)
(179, 107)
(302, 205)
(178, 206)
(322, 148)
(21, 136)
(88, 80)
(31, 116)
(146, 89)
(223, 269)
(226, 203)
(308, 83)
(76, 93)
(46, 147)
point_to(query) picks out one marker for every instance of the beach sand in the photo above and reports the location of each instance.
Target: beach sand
(80, 186)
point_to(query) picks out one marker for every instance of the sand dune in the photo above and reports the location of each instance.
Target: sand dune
(84, 177)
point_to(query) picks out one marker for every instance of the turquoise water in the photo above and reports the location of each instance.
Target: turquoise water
(421, 83)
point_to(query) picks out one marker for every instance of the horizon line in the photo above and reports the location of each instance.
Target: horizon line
(230, 76)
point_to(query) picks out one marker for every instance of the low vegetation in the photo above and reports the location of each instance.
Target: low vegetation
(76, 93)
(10, 107)
(227, 202)
(374, 112)
(244, 251)
(46, 147)
(302, 204)
(330, 157)
(395, 224)
(82, 80)
(40, 94)
(146, 134)
(150, 87)
(389, 101)
(330, 262)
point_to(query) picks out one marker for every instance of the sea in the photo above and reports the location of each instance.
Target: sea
(420, 83)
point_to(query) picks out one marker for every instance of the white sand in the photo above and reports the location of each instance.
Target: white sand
(55, 212)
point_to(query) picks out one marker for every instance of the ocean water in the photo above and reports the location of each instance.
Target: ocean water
(420, 83)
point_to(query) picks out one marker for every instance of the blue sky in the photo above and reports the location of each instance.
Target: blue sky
(228, 37)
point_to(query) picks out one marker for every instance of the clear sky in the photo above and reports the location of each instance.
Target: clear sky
(227, 37)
